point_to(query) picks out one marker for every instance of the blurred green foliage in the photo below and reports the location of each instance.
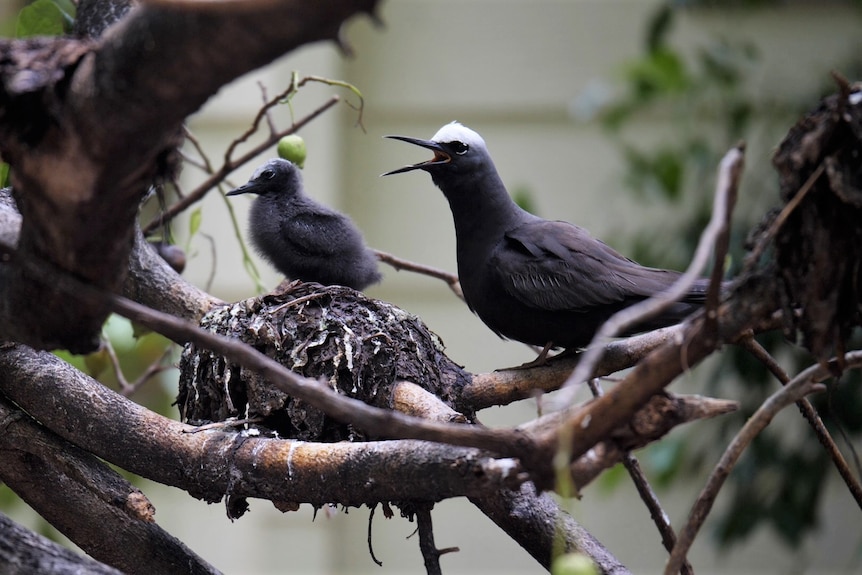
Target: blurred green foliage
(705, 109)
(45, 18)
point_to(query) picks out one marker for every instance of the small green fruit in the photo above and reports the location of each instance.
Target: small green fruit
(573, 564)
(292, 148)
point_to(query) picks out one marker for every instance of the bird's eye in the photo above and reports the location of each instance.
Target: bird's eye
(459, 148)
(267, 175)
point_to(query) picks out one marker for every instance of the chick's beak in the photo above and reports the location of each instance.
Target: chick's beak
(440, 155)
(243, 189)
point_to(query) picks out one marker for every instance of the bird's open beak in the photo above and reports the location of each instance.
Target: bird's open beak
(440, 155)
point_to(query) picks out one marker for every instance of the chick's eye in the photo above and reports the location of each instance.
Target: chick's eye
(267, 175)
(459, 148)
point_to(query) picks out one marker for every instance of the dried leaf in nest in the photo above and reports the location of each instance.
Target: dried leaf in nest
(819, 247)
(356, 345)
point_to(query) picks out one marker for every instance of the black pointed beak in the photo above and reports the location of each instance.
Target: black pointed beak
(246, 188)
(440, 155)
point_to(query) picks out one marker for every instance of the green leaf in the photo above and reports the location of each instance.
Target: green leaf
(659, 73)
(195, 222)
(41, 18)
(4, 174)
(665, 459)
(523, 196)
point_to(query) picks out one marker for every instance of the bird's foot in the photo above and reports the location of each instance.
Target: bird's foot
(541, 360)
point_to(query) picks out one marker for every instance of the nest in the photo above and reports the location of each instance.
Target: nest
(818, 249)
(358, 346)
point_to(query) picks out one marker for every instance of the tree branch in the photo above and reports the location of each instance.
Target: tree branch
(213, 463)
(538, 524)
(751, 304)
(811, 416)
(23, 552)
(647, 495)
(803, 384)
(508, 385)
(59, 480)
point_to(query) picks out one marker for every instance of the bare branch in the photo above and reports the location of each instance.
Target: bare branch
(658, 515)
(810, 415)
(652, 421)
(430, 553)
(401, 264)
(729, 175)
(508, 385)
(803, 384)
(752, 305)
(647, 495)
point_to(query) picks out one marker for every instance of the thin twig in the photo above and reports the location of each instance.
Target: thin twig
(810, 414)
(152, 370)
(401, 264)
(729, 173)
(430, 553)
(219, 175)
(803, 384)
(370, 546)
(128, 389)
(205, 163)
(647, 495)
(262, 113)
(779, 220)
(722, 243)
(270, 123)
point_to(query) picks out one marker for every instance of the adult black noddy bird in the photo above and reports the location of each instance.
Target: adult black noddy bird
(301, 238)
(545, 283)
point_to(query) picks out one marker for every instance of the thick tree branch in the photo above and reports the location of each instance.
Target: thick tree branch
(508, 385)
(60, 480)
(538, 524)
(213, 463)
(23, 552)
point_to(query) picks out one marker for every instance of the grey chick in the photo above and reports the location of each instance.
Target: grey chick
(301, 238)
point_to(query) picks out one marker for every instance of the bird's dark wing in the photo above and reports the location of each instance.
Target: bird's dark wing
(555, 265)
(314, 233)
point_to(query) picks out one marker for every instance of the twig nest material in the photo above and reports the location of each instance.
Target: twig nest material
(357, 346)
(818, 249)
